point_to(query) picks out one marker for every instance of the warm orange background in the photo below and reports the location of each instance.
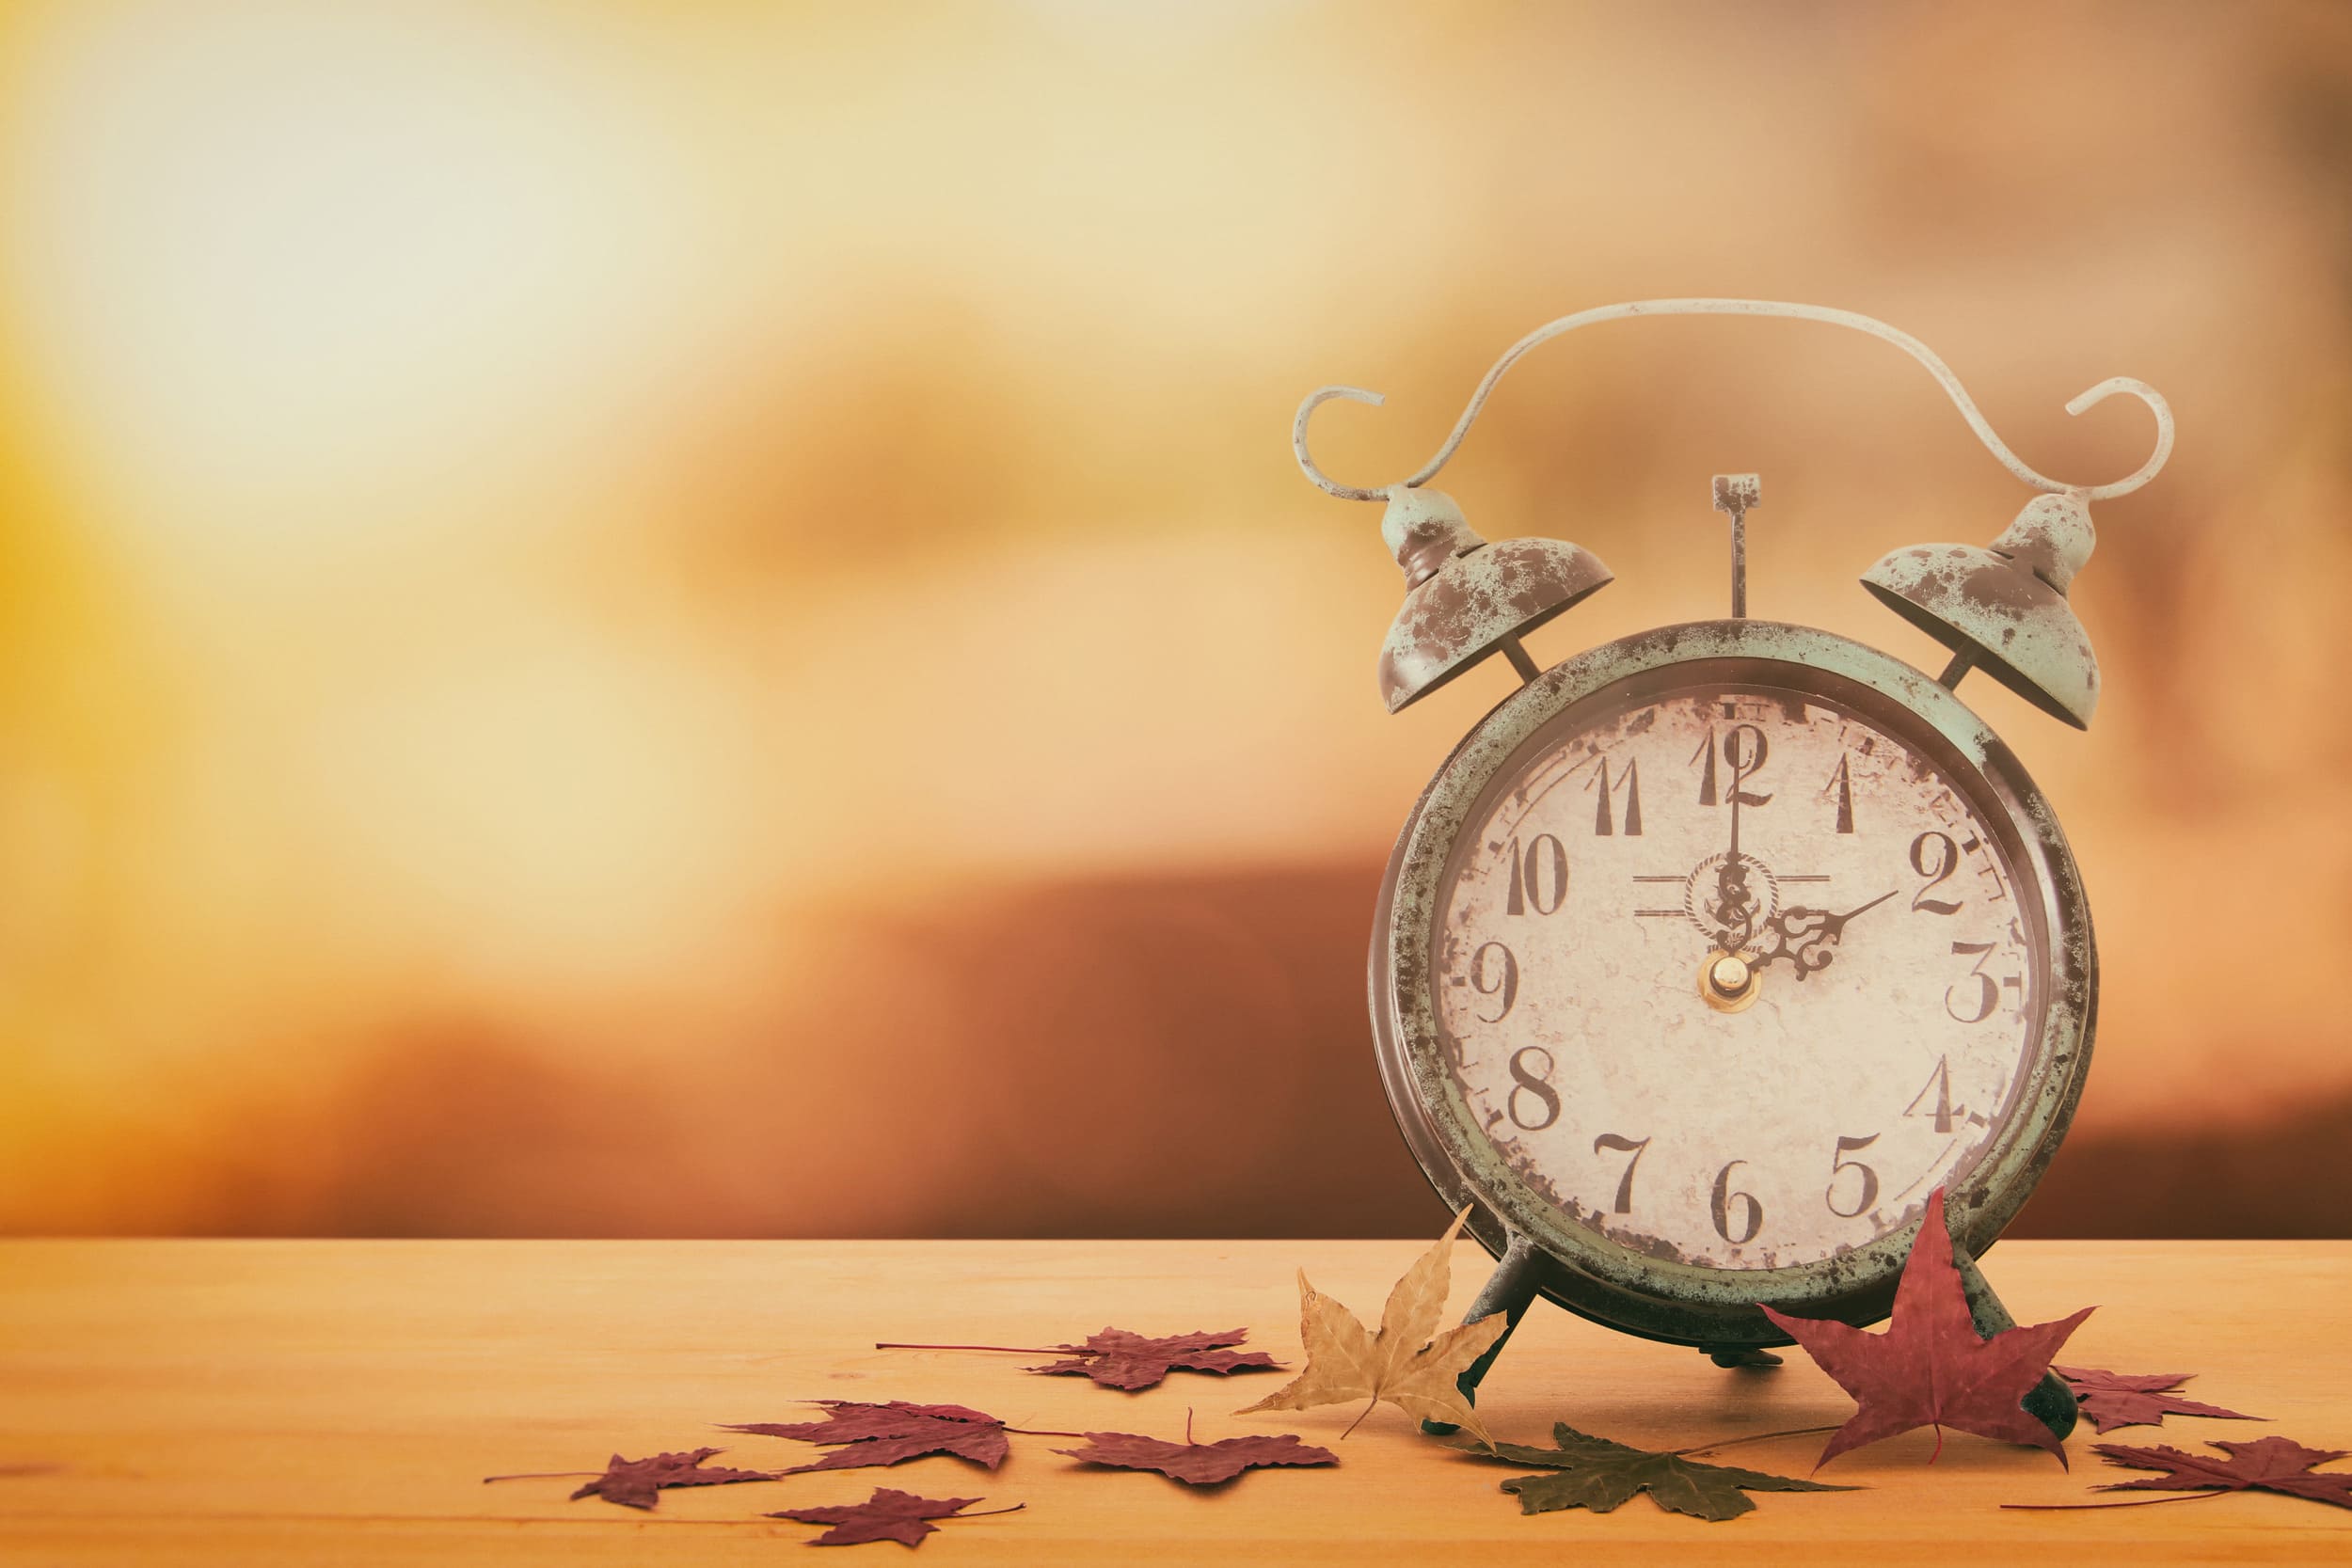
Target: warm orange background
(684, 620)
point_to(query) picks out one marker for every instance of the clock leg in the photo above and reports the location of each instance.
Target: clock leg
(2051, 1402)
(1508, 1291)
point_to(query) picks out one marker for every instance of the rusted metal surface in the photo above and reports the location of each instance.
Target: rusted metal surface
(2005, 605)
(1737, 495)
(1852, 321)
(1636, 1289)
(1465, 598)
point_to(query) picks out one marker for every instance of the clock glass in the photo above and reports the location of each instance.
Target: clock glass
(1735, 974)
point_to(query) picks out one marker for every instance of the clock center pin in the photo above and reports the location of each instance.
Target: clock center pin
(1729, 983)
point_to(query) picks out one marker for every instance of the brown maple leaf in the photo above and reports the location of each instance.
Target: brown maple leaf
(2111, 1399)
(1931, 1368)
(891, 1434)
(1407, 1363)
(889, 1514)
(2265, 1465)
(1120, 1358)
(1597, 1474)
(1197, 1463)
(638, 1482)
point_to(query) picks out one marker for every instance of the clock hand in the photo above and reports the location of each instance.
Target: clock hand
(1804, 936)
(1735, 905)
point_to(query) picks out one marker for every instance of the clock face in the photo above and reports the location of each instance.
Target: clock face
(1734, 975)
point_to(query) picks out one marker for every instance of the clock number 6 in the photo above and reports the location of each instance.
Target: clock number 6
(1839, 1165)
(1524, 1082)
(1721, 1205)
(1504, 987)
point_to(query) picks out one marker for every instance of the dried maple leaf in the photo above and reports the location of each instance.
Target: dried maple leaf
(638, 1482)
(1119, 1358)
(1597, 1474)
(1122, 1358)
(2266, 1463)
(864, 1435)
(1409, 1363)
(2111, 1399)
(1197, 1463)
(889, 1514)
(1930, 1368)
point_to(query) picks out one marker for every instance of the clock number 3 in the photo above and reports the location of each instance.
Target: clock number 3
(1988, 991)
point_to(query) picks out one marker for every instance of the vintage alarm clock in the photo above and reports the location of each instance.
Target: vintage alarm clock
(1711, 952)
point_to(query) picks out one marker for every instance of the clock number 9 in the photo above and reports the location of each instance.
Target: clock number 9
(1525, 1082)
(1503, 986)
(1752, 1222)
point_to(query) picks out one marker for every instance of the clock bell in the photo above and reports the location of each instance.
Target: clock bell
(2003, 609)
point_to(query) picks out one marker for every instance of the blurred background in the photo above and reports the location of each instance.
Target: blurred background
(696, 620)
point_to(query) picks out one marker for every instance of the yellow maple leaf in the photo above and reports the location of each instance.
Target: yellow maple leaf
(1409, 1363)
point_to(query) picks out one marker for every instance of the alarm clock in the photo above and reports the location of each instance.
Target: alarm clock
(1712, 952)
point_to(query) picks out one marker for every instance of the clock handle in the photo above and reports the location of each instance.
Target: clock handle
(1852, 321)
(2051, 1402)
(1510, 1291)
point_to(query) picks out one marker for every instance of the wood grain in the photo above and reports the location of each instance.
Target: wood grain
(305, 1402)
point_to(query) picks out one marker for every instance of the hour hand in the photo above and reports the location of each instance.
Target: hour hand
(1804, 936)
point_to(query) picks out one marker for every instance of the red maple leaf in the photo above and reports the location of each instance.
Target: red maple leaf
(889, 1514)
(638, 1482)
(1197, 1463)
(1930, 1368)
(2267, 1464)
(863, 1435)
(2111, 1399)
(1122, 1358)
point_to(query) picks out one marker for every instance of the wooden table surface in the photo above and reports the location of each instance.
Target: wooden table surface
(312, 1402)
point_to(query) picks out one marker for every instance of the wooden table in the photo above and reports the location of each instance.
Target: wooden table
(337, 1403)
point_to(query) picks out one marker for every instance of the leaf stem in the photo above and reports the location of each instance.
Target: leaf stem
(2141, 1502)
(542, 1475)
(1040, 1432)
(1012, 1350)
(1360, 1416)
(986, 1511)
(1752, 1438)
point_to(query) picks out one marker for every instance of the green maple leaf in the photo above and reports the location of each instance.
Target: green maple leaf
(1595, 1473)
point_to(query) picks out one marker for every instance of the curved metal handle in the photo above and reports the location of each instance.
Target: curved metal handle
(1848, 319)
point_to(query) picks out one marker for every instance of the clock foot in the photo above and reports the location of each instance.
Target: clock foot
(1510, 1290)
(1741, 1355)
(2051, 1402)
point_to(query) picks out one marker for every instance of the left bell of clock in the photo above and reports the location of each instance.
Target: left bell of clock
(1465, 598)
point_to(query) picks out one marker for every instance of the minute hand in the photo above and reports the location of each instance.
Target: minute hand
(1804, 936)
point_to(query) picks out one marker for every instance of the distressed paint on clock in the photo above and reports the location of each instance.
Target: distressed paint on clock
(1895, 1008)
